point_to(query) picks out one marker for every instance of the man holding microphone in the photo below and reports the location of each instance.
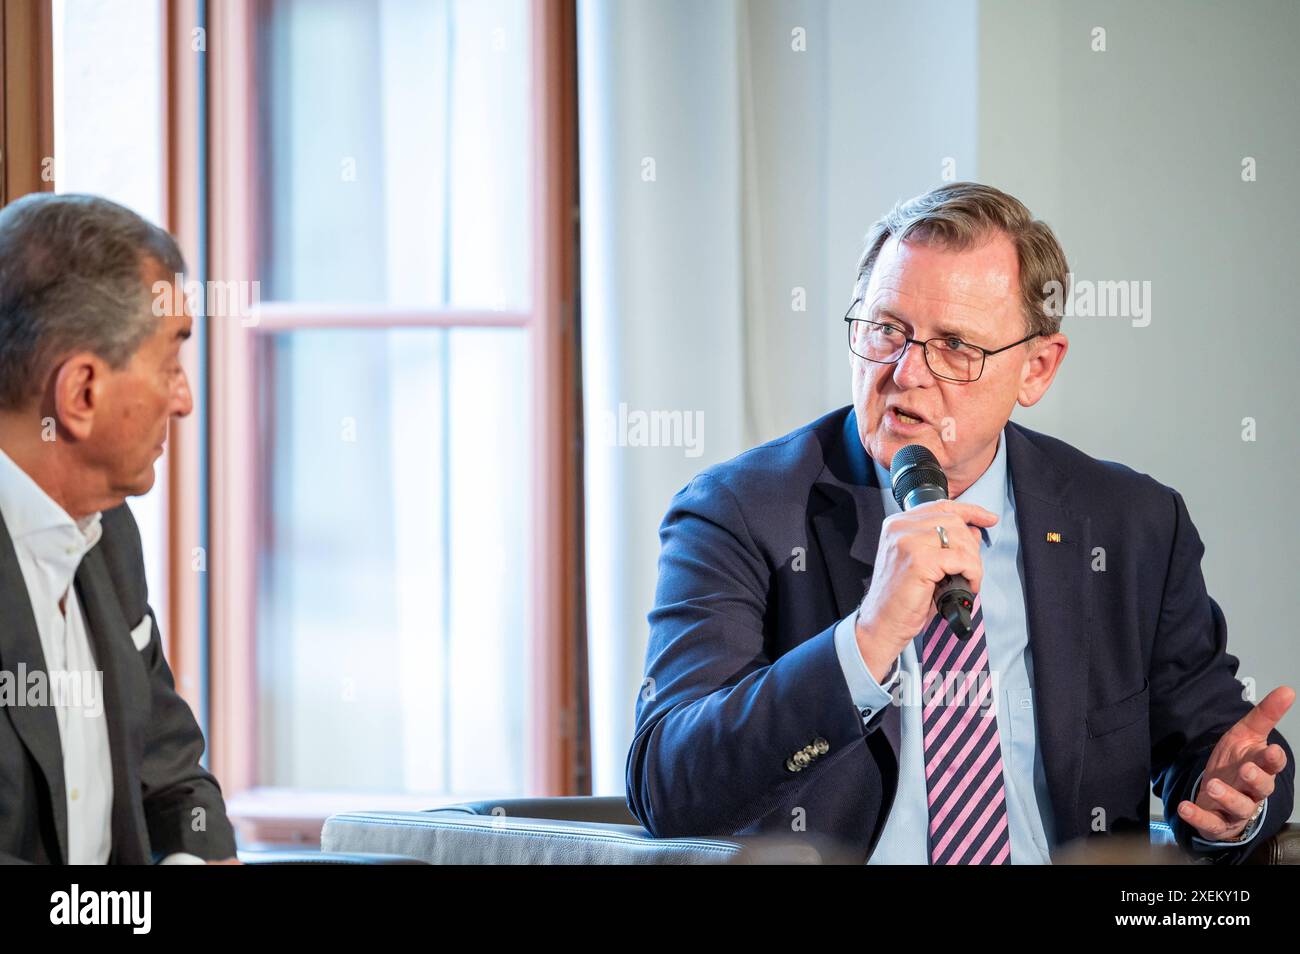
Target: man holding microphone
(783, 698)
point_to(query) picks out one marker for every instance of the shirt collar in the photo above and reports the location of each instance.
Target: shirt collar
(989, 491)
(31, 515)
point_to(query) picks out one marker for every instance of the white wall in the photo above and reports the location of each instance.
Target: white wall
(1134, 156)
(901, 101)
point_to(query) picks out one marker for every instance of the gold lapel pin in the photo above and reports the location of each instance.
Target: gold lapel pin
(1053, 536)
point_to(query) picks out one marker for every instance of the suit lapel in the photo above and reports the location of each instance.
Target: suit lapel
(846, 514)
(20, 652)
(848, 534)
(110, 638)
(1058, 583)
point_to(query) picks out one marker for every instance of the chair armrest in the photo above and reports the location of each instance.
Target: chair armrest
(306, 857)
(457, 835)
(600, 830)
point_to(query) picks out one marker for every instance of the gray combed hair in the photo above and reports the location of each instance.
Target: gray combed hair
(962, 215)
(72, 278)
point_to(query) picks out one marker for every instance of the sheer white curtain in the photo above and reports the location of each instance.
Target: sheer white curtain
(661, 300)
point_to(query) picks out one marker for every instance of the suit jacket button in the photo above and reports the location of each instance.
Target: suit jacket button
(789, 764)
(822, 746)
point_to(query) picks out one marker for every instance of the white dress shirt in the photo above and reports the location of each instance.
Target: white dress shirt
(50, 546)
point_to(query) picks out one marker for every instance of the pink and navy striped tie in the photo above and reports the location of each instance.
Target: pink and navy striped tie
(963, 754)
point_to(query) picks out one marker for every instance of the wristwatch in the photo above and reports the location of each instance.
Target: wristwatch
(1251, 823)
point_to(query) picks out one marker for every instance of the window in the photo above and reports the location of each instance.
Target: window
(394, 454)
(392, 634)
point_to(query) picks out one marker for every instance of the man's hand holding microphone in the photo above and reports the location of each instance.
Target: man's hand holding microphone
(928, 557)
(911, 561)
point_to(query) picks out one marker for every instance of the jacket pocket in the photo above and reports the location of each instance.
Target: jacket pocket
(142, 633)
(1116, 715)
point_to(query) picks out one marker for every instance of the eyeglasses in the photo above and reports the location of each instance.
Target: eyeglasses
(947, 356)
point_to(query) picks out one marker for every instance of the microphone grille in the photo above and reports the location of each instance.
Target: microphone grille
(913, 466)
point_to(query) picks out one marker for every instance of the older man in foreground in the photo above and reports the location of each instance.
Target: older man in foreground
(99, 757)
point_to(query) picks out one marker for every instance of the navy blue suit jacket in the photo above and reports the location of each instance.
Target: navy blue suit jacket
(762, 555)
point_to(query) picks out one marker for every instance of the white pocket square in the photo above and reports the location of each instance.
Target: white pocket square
(143, 633)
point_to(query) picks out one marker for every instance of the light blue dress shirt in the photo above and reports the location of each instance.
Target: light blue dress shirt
(1002, 596)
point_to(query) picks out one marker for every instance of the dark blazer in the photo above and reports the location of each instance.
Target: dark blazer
(762, 555)
(154, 741)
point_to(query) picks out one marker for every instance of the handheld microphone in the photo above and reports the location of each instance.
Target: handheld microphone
(916, 478)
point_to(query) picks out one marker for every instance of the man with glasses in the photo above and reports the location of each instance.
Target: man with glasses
(780, 698)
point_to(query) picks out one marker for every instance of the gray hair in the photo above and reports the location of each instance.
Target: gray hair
(961, 215)
(72, 278)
